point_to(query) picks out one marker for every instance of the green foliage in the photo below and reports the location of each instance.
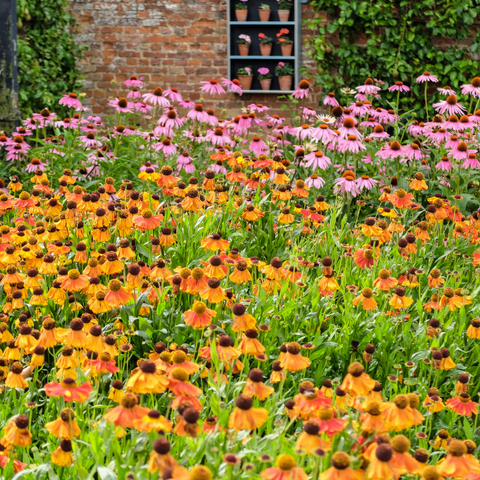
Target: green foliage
(47, 54)
(394, 40)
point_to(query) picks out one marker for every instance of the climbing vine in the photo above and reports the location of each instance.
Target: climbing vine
(394, 40)
(47, 54)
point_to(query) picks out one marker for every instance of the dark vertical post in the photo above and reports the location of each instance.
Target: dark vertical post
(8, 65)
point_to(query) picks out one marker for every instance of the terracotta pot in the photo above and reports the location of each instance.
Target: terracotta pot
(266, 50)
(265, 83)
(245, 81)
(241, 15)
(283, 15)
(264, 15)
(285, 82)
(287, 50)
(243, 49)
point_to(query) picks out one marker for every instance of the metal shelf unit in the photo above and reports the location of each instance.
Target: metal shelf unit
(253, 26)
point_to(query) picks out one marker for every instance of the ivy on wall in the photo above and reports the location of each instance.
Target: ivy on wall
(47, 54)
(393, 41)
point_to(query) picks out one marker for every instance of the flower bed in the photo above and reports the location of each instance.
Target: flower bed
(191, 297)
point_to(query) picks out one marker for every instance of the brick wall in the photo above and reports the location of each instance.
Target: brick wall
(171, 43)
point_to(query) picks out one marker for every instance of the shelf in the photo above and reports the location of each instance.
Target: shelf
(277, 92)
(261, 57)
(262, 23)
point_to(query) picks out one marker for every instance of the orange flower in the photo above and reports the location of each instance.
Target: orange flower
(366, 299)
(285, 469)
(125, 414)
(117, 295)
(215, 243)
(147, 220)
(325, 418)
(16, 433)
(402, 461)
(244, 417)
(213, 292)
(372, 420)
(146, 379)
(199, 316)
(153, 421)
(255, 387)
(418, 183)
(399, 300)
(250, 344)
(398, 413)
(292, 360)
(384, 281)
(241, 320)
(65, 426)
(309, 440)
(456, 463)
(340, 469)
(160, 458)
(462, 405)
(364, 258)
(381, 467)
(357, 382)
(401, 199)
(75, 282)
(69, 390)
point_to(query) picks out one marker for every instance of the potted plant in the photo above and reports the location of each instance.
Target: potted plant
(265, 44)
(265, 78)
(245, 77)
(264, 12)
(285, 43)
(284, 72)
(284, 7)
(241, 11)
(244, 42)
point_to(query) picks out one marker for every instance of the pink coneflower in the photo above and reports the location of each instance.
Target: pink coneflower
(412, 152)
(44, 118)
(465, 123)
(165, 146)
(170, 120)
(16, 151)
(89, 140)
(427, 77)
(302, 90)
(30, 123)
(34, 165)
(471, 162)
(305, 131)
(156, 98)
(184, 158)
(391, 150)
(453, 142)
(161, 131)
(348, 128)
(70, 101)
(365, 183)
(324, 134)
(315, 181)
(367, 159)
(370, 123)
(379, 133)
(330, 100)
(383, 116)
(89, 127)
(134, 93)
(361, 97)
(360, 108)
(244, 121)
(234, 85)
(346, 184)
(350, 144)
(121, 105)
(472, 88)
(439, 136)
(66, 123)
(187, 104)
(146, 165)
(308, 113)
(316, 160)
(218, 168)
(452, 123)
(258, 146)
(446, 90)
(460, 152)
(173, 95)
(444, 164)
(258, 107)
(188, 168)
(23, 132)
(198, 113)
(142, 107)
(398, 87)
(212, 87)
(276, 120)
(368, 88)
(212, 120)
(416, 129)
(94, 119)
(218, 137)
(449, 106)
(134, 81)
